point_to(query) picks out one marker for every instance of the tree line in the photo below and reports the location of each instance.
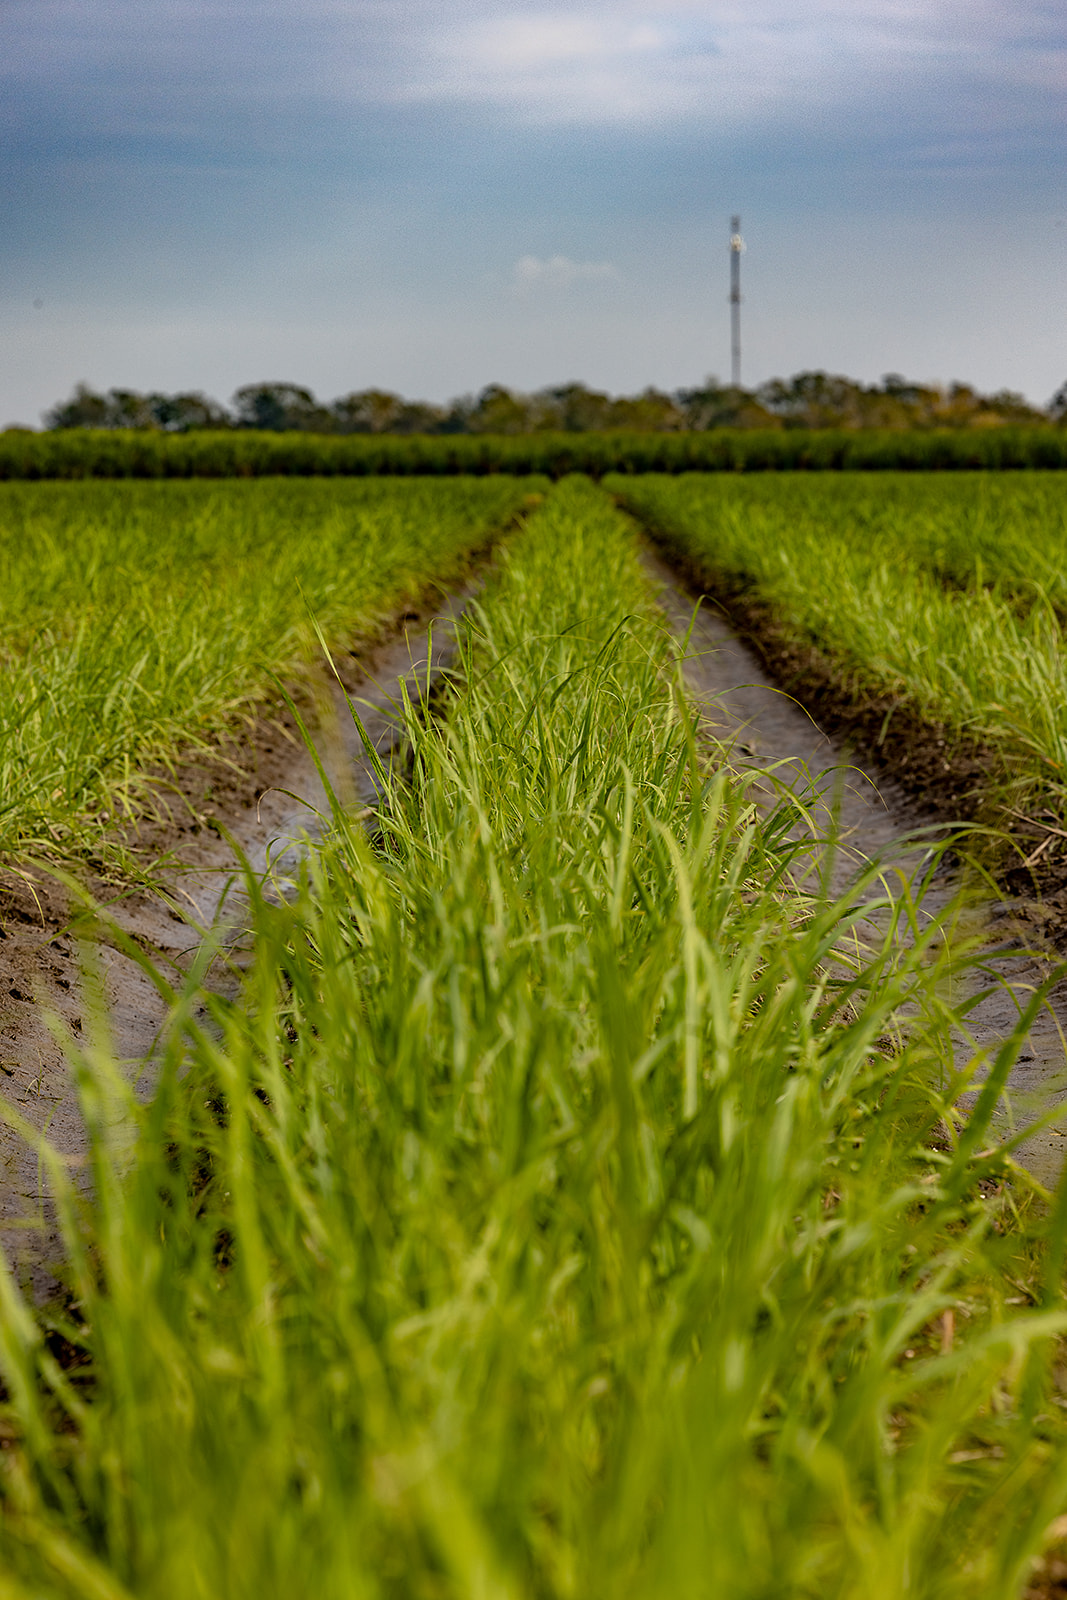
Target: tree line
(808, 400)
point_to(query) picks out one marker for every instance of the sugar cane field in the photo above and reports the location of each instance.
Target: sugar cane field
(531, 1036)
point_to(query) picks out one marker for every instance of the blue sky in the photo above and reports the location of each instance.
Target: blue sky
(431, 197)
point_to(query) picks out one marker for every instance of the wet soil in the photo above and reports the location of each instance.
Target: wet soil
(262, 789)
(786, 740)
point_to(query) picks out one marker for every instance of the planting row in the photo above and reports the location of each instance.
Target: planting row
(937, 599)
(139, 619)
(561, 1208)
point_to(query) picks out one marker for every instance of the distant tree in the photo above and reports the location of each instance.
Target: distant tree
(572, 407)
(896, 387)
(180, 413)
(1008, 406)
(85, 409)
(281, 407)
(367, 411)
(651, 411)
(456, 415)
(418, 416)
(814, 400)
(717, 405)
(1057, 406)
(824, 400)
(500, 410)
(899, 403)
(961, 406)
(127, 408)
(582, 410)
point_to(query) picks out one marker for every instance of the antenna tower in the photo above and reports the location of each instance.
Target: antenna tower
(737, 247)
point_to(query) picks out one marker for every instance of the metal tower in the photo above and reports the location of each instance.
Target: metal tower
(737, 246)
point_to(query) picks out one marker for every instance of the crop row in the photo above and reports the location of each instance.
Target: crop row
(111, 453)
(557, 1211)
(138, 619)
(858, 571)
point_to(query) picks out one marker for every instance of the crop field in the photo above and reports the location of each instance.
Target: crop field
(939, 598)
(564, 1203)
(138, 619)
(110, 453)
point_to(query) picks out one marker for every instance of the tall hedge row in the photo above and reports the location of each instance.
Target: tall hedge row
(108, 453)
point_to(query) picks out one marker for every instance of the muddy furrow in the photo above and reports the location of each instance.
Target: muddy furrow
(267, 795)
(773, 737)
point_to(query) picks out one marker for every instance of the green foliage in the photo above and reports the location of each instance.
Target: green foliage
(829, 400)
(944, 595)
(555, 1212)
(138, 618)
(125, 408)
(203, 453)
(811, 400)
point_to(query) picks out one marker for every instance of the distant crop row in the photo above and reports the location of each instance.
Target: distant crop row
(111, 453)
(136, 619)
(941, 597)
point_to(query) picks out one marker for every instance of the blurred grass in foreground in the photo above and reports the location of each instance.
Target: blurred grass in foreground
(136, 619)
(560, 1212)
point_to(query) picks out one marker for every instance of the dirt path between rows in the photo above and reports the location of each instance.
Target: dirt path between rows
(264, 790)
(774, 737)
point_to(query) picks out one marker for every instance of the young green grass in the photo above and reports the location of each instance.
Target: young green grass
(138, 619)
(857, 567)
(969, 528)
(560, 1210)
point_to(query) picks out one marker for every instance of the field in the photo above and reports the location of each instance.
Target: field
(936, 602)
(564, 1202)
(79, 453)
(139, 619)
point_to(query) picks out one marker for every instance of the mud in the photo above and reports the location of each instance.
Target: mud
(773, 735)
(261, 788)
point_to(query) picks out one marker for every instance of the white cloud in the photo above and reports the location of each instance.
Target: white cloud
(579, 65)
(523, 43)
(562, 62)
(558, 272)
(618, 61)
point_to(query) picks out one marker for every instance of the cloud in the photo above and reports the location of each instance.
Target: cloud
(558, 272)
(574, 66)
(725, 61)
(180, 66)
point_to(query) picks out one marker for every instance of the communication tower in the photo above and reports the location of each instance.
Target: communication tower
(737, 249)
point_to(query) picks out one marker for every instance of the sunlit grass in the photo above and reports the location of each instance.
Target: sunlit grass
(138, 619)
(858, 568)
(562, 1210)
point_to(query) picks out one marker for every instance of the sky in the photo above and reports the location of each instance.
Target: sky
(431, 197)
